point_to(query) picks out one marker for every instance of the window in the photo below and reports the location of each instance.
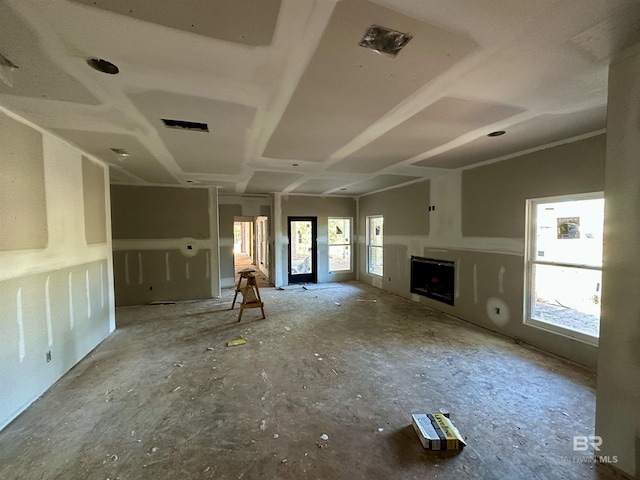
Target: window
(374, 244)
(339, 244)
(564, 265)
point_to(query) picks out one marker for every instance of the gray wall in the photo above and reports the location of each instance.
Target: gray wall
(165, 243)
(618, 394)
(479, 223)
(56, 278)
(405, 227)
(322, 208)
(493, 196)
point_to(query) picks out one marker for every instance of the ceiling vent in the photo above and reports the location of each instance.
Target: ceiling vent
(184, 125)
(120, 152)
(384, 40)
(103, 66)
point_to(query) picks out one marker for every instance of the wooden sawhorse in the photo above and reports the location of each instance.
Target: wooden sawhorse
(250, 293)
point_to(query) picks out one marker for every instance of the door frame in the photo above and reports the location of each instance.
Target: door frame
(304, 277)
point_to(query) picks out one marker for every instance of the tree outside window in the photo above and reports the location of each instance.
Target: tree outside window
(375, 244)
(339, 244)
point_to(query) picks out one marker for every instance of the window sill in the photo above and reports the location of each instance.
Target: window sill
(564, 332)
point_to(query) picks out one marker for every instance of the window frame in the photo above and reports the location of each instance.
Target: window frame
(370, 246)
(530, 262)
(348, 244)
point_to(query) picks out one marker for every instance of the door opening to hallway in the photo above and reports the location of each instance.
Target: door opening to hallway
(250, 248)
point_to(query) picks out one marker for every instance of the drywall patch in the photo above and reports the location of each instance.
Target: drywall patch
(498, 311)
(208, 265)
(140, 277)
(87, 287)
(501, 273)
(20, 320)
(475, 283)
(126, 268)
(167, 267)
(71, 314)
(102, 285)
(47, 301)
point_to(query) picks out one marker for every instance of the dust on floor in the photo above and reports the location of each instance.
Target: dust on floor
(324, 388)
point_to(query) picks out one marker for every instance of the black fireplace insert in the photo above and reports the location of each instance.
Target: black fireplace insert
(433, 278)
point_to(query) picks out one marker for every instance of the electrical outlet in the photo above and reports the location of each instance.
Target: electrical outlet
(48, 356)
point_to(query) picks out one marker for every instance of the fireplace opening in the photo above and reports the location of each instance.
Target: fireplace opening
(433, 278)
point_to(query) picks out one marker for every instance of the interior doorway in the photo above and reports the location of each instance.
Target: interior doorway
(303, 265)
(250, 247)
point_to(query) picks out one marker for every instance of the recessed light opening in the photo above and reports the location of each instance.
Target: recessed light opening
(384, 40)
(185, 125)
(496, 133)
(103, 66)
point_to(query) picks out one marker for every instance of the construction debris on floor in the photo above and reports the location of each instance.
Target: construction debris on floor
(180, 404)
(236, 342)
(436, 432)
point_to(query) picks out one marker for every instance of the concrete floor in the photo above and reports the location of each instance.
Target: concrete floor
(164, 397)
(242, 261)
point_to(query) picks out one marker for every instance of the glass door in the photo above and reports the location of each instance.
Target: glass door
(302, 250)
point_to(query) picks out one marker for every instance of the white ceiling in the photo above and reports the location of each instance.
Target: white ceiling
(293, 103)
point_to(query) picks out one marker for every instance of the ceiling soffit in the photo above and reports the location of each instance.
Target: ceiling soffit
(320, 185)
(377, 183)
(36, 76)
(541, 130)
(439, 123)
(346, 87)
(139, 162)
(218, 151)
(248, 22)
(265, 182)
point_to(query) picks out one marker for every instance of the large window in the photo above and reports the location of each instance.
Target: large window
(564, 265)
(374, 244)
(339, 244)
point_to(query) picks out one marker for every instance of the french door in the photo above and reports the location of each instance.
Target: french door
(303, 265)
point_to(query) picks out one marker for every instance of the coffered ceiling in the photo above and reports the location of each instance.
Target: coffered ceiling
(290, 100)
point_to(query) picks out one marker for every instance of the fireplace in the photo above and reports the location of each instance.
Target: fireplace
(433, 278)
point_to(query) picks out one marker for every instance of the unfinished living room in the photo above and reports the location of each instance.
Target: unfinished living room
(273, 238)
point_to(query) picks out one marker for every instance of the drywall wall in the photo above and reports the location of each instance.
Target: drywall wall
(479, 223)
(405, 228)
(493, 196)
(165, 243)
(618, 390)
(310, 206)
(231, 207)
(56, 294)
(93, 189)
(23, 207)
(159, 212)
